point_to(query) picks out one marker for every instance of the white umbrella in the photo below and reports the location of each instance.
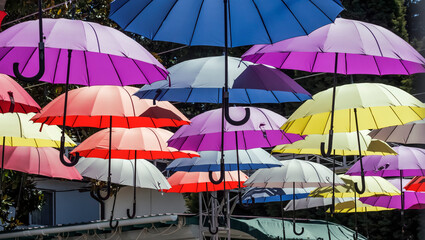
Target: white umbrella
(311, 202)
(148, 176)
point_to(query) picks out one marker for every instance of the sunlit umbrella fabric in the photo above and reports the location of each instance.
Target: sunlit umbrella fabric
(411, 133)
(24, 103)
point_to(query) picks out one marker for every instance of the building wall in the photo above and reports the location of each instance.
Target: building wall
(74, 207)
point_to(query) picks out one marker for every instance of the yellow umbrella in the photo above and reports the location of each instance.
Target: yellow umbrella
(356, 206)
(345, 145)
(16, 129)
(375, 186)
(378, 106)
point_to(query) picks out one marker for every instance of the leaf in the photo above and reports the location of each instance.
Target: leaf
(59, 11)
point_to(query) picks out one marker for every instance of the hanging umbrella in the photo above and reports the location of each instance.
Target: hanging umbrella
(95, 106)
(13, 98)
(210, 161)
(409, 199)
(370, 106)
(204, 133)
(313, 202)
(199, 182)
(293, 173)
(250, 22)
(122, 172)
(345, 145)
(147, 143)
(133, 143)
(265, 195)
(417, 184)
(202, 80)
(38, 161)
(405, 134)
(357, 206)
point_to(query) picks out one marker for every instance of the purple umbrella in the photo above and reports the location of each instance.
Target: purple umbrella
(346, 47)
(76, 52)
(412, 200)
(205, 133)
(409, 162)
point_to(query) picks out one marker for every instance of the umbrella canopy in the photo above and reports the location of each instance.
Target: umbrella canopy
(147, 143)
(202, 80)
(249, 22)
(302, 173)
(210, 161)
(409, 162)
(375, 186)
(378, 106)
(345, 144)
(199, 182)
(264, 195)
(94, 106)
(348, 46)
(148, 176)
(100, 55)
(410, 133)
(412, 200)
(417, 184)
(358, 206)
(18, 130)
(39, 161)
(312, 202)
(10, 92)
(204, 132)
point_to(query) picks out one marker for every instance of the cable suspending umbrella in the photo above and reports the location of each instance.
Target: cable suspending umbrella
(210, 161)
(202, 80)
(13, 98)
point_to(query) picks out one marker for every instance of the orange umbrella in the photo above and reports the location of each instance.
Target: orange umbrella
(13, 98)
(146, 143)
(95, 106)
(200, 182)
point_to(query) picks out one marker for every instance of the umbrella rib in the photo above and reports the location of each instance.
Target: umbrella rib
(188, 95)
(401, 61)
(377, 43)
(136, 15)
(87, 69)
(306, 33)
(247, 95)
(132, 102)
(346, 65)
(196, 22)
(377, 66)
(322, 11)
(163, 20)
(28, 59)
(97, 38)
(116, 71)
(284, 61)
(141, 71)
(56, 66)
(314, 62)
(230, 23)
(6, 53)
(262, 21)
(277, 99)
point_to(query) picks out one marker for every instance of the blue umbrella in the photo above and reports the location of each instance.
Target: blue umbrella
(264, 195)
(202, 80)
(210, 161)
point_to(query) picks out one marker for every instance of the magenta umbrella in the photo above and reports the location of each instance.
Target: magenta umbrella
(409, 162)
(412, 200)
(346, 47)
(76, 52)
(205, 133)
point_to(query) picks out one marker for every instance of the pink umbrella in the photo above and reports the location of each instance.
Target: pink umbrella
(38, 161)
(13, 98)
(346, 47)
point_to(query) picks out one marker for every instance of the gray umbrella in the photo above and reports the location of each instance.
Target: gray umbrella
(412, 133)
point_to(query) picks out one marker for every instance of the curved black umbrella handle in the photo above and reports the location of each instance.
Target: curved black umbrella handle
(234, 122)
(356, 186)
(12, 102)
(295, 230)
(113, 226)
(73, 159)
(243, 205)
(112, 211)
(133, 214)
(41, 60)
(108, 192)
(222, 172)
(322, 145)
(213, 232)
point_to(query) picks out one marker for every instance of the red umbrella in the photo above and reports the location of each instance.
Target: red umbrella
(95, 106)
(200, 182)
(108, 106)
(147, 143)
(13, 98)
(417, 184)
(38, 161)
